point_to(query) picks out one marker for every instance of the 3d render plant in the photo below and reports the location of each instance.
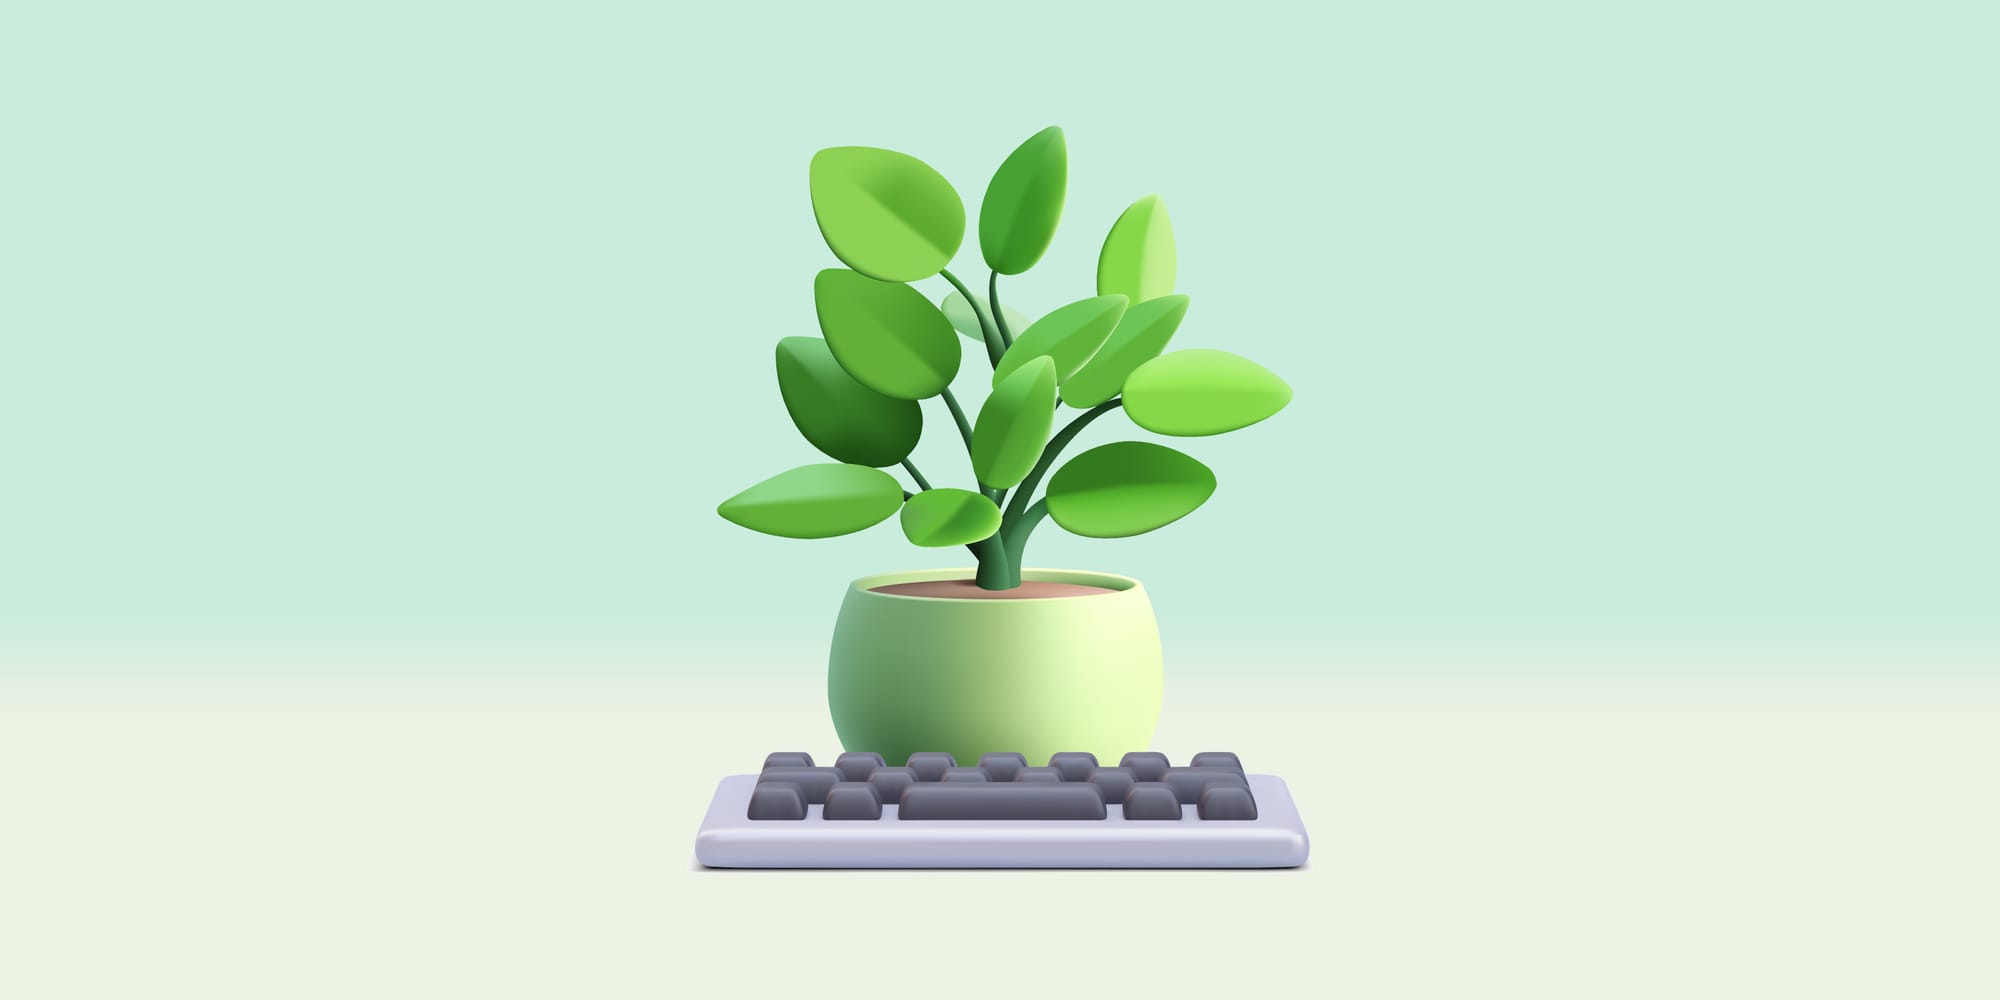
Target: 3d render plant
(893, 220)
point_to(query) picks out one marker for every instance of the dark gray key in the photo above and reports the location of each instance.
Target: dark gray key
(889, 782)
(777, 800)
(1145, 766)
(965, 774)
(812, 781)
(852, 800)
(1074, 766)
(855, 765)
(931, 766)
(1217, 759)
(1113, 783)
(1187, 782)
(1002, 766)
(1220, 801)
(1044, 775)
(1001, 800)
(788, 760)
(1152, 800)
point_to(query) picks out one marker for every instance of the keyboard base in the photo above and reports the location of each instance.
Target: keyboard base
(730, 839)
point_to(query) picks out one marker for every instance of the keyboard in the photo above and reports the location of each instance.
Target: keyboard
(932, 812)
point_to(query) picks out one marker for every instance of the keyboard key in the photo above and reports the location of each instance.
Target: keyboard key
(1002, 766)
(1224, 801)
(1217, 759)
(813, 782)
(889, 782)
(1187, 782)
(931, 766)
(1043, 775)
(1113, 783)
(965, 774)
(1145, 766)
(1152, 800)
(1074, 766)
(1001, 800)
(789, 760)
(777, 800)
(855, 765)
(852, 800)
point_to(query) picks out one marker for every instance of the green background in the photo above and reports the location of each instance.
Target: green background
(429, 333)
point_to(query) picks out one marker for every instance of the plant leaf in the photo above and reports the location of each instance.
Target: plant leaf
(1140, 338)
(816, 501)
(885, 214)
(1198, 392)
(886, 334)
(1127, 488)
(1067, 336)
(941, 517)
(966, 321)
(1023, 203)
(841, 417)
(1138, 256)
(1014, 424)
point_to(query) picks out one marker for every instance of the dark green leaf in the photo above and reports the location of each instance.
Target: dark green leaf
(841, 417)
(1127, 488)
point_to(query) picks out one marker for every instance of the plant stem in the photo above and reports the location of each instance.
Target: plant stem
(1019, 508)
(914, 474)
(999, 318)
(965, 433)
(994, 347)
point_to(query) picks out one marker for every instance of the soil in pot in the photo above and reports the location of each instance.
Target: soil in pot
(971, 590)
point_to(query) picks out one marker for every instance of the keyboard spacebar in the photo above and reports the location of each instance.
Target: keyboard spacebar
(1000, 800)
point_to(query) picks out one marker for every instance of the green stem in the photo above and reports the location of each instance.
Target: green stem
(1019, 508)
(999, 317)
(994, 348)
(914, 474)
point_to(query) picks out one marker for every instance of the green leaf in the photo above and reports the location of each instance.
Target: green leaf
(816, 501)
(1140, 338)
(941, 517)
(886, 214)
(966, 321)
(1017, 219)
(1014, 424)
(1068, 336)
(847, 420)
(1198, 392)
(1138, 257)
(887, 335)
(1127, 488)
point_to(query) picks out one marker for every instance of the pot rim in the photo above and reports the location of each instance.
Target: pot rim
(1086, 577)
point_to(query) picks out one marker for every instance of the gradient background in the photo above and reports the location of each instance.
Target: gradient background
(441, 329)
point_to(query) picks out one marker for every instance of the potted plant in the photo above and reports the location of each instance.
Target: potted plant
(1001, 657)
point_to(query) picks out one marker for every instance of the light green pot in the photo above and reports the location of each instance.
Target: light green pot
(1038, 676)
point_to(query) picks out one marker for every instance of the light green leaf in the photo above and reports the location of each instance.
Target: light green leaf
(1067, 336)
(1014, 424)
(937, 518)
(816, 501)
(1127, 488)
(1140, 338)
(1023, 202)
(1198, 392)
(1138, 256)
(966, 321)
(886, 214)
(841, 417)
(887, 335)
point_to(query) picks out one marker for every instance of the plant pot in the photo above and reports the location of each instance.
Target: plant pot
(970, 676)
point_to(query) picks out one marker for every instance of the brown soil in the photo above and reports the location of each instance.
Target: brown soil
(970, 590)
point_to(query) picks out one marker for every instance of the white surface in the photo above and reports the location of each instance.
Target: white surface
(533, 839)
(730, 839)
